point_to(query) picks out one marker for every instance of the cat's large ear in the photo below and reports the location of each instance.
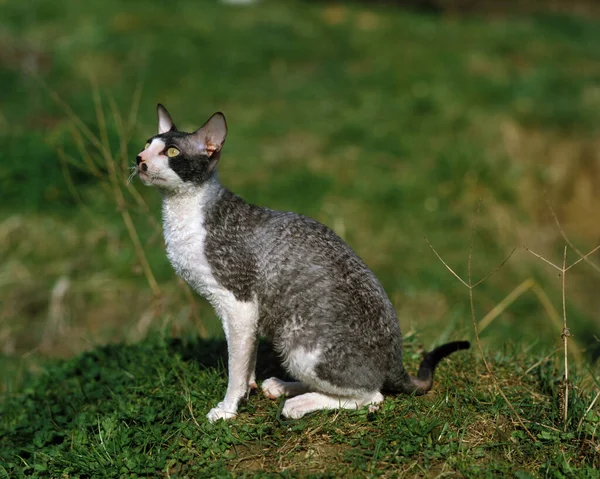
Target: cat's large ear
(164, 120)
(211, 136)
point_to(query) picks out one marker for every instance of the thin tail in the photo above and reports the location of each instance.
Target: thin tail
(401, 381)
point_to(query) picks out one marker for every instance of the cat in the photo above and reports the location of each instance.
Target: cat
(280, 275)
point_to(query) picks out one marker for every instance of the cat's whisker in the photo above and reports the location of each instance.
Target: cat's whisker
(132, 175)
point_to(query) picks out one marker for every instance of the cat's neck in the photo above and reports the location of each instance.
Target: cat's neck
(183, 207)
(182, 199)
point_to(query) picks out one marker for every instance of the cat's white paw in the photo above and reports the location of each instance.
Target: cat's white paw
(297, 407)
(220, 412)
(273, 388)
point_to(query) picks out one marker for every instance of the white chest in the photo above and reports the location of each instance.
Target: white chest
(185, 237)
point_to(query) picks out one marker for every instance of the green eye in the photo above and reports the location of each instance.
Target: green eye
(147, 145)
(171, 152)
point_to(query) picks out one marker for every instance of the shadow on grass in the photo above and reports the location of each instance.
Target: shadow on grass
(115, 390)
(212, 353)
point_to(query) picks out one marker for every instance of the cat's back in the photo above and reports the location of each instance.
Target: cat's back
(279, 257)
(306, 270)
(298, 241)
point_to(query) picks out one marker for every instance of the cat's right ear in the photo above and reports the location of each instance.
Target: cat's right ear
(210, 137)
(164, 120)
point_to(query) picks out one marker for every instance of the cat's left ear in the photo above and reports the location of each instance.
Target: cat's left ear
(164, 120)
(211, 136)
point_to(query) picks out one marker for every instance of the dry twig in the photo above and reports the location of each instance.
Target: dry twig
(471, 286)
(565, 333)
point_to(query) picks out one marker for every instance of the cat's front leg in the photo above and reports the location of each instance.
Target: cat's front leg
(241, 333)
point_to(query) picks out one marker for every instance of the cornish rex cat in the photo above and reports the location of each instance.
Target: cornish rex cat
(281, 275)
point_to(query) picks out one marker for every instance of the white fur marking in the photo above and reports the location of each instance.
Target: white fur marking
(274, 388)
(185, 236)
(158, 171)
(297, 407)
(301, 363)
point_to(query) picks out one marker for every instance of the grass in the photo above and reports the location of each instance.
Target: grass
(325, 119)
(387, 125)
(129, 411)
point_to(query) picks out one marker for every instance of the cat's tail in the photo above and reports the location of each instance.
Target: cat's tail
(402, 382)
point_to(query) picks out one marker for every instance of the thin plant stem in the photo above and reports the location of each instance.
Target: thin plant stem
(445, 264)
(124, 139)
(588, 410)
(565, 335)
(582, 257)
(470, 286)
(120, 199)
(493, 272)
(542, 258)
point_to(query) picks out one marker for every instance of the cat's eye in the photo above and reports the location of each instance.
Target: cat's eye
(171, 152)
(147, 145)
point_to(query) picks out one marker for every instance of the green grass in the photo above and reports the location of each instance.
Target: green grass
(138, 411)
(387, 125)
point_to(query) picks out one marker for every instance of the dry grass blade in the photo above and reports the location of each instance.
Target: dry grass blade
(491, 273)
(445, 264)
(542, 258)
(75, 119)
(124, 137)
(135, 105)
(548, 306)
(470, 259)
(542, 297)
(585, 258)
(505, 303)
(103, 146)
(470, 287)
(119, 198)
(555, 318)
(587, 411)
(543, 360)
(582, 257)
(84, 154)
(565, 334)
(489, 369)
(71, 186)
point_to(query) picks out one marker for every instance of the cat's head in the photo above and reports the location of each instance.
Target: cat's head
(173, 159)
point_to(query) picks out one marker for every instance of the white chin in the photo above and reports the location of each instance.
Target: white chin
(146, 179)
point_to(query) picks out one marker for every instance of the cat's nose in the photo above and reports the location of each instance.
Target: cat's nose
(138, 160)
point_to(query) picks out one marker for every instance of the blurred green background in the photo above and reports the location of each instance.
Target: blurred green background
(387, 122)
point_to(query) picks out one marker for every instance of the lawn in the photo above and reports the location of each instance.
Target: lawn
(400, 130)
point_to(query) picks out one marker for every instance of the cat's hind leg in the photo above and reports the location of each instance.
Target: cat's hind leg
(298, 406)
(274, 388)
